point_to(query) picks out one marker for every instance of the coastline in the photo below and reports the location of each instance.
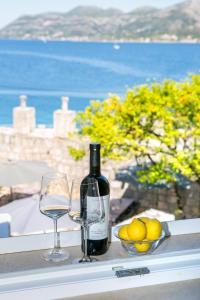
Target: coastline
(115, 41)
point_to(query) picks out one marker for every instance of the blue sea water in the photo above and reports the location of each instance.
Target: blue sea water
(45, 71)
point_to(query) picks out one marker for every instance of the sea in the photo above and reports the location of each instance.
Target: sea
(84, 71)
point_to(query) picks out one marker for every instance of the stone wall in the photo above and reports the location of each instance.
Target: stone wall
(41, 145)
(166, 200)
(25, 141)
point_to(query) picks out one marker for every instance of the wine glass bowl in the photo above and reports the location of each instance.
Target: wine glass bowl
(55, 203)
(139, 247)
(54, 206)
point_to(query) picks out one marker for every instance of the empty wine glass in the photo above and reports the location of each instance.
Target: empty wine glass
(86, 209)
(55, 203)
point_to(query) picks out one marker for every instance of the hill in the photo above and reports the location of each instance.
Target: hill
(177, 22)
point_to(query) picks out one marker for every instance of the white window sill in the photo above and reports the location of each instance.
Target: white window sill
(24, 274)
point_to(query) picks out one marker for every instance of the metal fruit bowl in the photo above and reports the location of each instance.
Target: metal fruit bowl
(145, 246)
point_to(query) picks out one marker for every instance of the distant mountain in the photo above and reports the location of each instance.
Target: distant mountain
(177, 22)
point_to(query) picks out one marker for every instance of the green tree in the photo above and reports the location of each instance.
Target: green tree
(156, 125)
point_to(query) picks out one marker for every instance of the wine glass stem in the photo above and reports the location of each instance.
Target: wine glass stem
(85, 233)
(56, 237)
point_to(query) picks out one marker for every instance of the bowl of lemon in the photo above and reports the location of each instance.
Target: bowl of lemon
(141, 236)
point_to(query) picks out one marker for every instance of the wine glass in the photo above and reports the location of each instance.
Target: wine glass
(55, 203)
(87, 208)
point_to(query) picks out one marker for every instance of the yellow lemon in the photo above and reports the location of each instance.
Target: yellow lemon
(136, 230)
(123, 234)
(154, 229)
(142, 247)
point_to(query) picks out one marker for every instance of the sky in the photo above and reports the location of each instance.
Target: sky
(12, 9)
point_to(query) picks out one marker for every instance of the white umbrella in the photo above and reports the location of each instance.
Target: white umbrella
(21, 171)
(27, 219)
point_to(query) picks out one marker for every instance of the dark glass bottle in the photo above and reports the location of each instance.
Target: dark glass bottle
(99, 232)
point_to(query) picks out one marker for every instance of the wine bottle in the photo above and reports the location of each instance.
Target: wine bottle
(98, 234)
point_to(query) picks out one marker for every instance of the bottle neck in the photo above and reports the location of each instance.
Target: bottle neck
(95, 162)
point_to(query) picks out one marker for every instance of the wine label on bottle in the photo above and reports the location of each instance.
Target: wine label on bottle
(99, 231)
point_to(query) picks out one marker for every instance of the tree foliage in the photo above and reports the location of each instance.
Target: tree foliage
(156, 125)
(77, 154)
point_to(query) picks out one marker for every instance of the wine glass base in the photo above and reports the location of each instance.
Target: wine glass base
(84, 260)
(55, 255)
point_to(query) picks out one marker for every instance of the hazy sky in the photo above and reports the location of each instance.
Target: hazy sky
(11, 9)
